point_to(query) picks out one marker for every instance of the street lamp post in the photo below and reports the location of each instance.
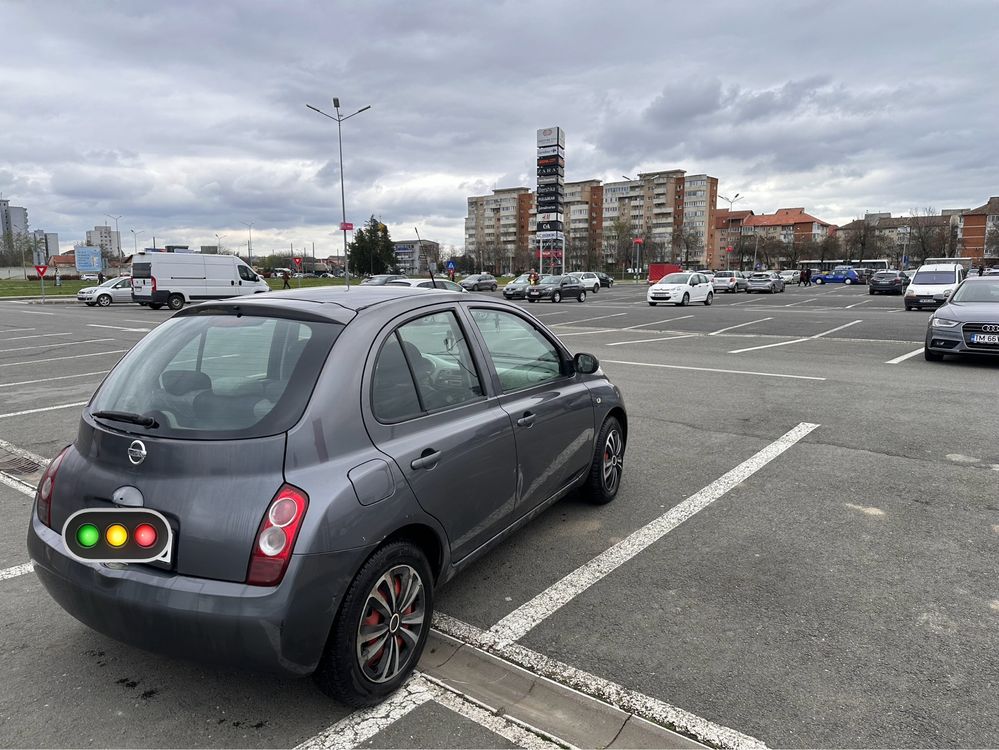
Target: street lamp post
(120, 253)
(343, 200)
(728, 235)
(135, 240)
(249, 243)
(218, 239)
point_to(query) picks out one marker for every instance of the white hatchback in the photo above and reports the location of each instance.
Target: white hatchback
(589, 280)
(681, 289)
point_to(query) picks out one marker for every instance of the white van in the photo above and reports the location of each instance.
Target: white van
(932, 284)
(173, 279)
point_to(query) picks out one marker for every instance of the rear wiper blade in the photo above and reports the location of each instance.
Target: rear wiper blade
(127, 416)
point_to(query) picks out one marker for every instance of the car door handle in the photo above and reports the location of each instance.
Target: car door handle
(427, 460)
(527, 420)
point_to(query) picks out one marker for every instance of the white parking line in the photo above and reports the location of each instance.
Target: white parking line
(858, 304)
(656, 323)
(554, 312)
(47, 380)
(741, 325)
(57, 359)
(641, 705)
(18, 330)
(54, 346)
(801, 302)
(16, 484)
(795, 341)
(17, 570)
(583, 333)
(11, 448)
(44, 408)
(36, 335)
(646, 341)
(712, 369)
(744, 302)
(904, 357)
(525, 618)
(587, 320)
(120, 328)
(33, 312)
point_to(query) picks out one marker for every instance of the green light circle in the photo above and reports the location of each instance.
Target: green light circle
(87, 535)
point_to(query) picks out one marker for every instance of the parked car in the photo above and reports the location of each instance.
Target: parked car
(790, 276)
(176, 279)
(839, 275)
(605, 279)
(590, 281)
(967, 323)
(443, 284)
(517, 288)
(302, 462)
(113, 290)
(556, 289)
(681, 289)
(890, 282)
(730, 281)
(478, 282)
(932, 285)
(765, 281)
(381, 279)
(88, 277)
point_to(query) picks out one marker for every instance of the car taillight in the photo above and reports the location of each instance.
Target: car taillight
(46, 487)
(152, 280)
(275, 539)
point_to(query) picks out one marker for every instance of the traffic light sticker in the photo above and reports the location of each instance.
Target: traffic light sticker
(121, 535)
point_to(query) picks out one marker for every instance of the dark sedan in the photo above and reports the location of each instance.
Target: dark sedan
(280, 482)
(381, 279)
(968, 323)
(557, 288)
(605, 279)
(888, 282)
(517, 289)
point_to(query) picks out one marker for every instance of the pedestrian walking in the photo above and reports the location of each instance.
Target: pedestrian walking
(100, 277)
(807, 273)
(285, 276)
(801, 275)
(981, 270)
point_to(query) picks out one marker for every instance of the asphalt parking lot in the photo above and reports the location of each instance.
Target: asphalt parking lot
(803, 551)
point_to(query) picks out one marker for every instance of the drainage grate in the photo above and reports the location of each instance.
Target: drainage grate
(20, 465)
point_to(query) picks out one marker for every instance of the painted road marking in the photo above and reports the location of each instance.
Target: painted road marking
(44, 408)
(47, 380)
(582, 333)
(556, 312)
(741, 325)
(646, 341)
(18, 330)
(16, 484)
(33, 312)
(525, 618)
(795, 341)
(17, 570)
(857, 304)
(120, 328)
(641, 705)
(587, 320)
(904, 357)
(11, 448)
(801, 302)
(744, 302)
(53, 346)
(657, 323)
(712, 369)
(34, 336)
(75, 356)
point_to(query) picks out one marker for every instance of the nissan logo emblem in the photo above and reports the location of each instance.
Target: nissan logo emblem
(137, 452)
(991, 328)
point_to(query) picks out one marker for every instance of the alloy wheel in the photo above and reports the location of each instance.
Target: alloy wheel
(613, 461)
(391, 624)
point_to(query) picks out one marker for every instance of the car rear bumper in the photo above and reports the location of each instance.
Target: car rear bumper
(515, 294)
(281, 629)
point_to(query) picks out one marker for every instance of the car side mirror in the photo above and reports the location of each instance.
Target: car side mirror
(586, 364)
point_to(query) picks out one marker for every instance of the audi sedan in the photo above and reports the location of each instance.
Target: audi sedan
(968, 323)
(281, 483)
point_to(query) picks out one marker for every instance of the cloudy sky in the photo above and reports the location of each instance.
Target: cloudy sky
(188, 118)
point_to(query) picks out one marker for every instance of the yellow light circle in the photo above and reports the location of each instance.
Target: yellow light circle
(116, 535)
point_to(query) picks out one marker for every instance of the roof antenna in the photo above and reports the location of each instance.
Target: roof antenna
(429, 269)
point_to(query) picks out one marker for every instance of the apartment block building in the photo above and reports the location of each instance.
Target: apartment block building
(45, 244)
(650, 207)
(728, 229)
(13, 223)
(916, 237)
(786, 224)
(584, 224)
(978, 231)
(700, 197)
(496, 227)
(413, 255)
(106, 239)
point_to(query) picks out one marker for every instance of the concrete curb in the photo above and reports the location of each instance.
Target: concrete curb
(37, 300)
(557, 710)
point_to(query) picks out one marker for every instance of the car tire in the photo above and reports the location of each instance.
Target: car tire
(870, 291)
(175, 301)
(581, 297)
(104, 300)
(556, 297)
(930, 356)
(908, 308)
(604, 479)
(341, 673)
(532, 301)
(155, 305)
(652, 304)
(685, 301)
(820, 282)
(709, 299)
(848, 281)
(493, 288)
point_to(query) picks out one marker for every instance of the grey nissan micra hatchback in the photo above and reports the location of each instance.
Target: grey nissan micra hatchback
(315, 463)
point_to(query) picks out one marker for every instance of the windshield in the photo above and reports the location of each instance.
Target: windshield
(550, 279)
(934, 277)
(675, 278)
(522, 279)
(217, 376)
(977, 292)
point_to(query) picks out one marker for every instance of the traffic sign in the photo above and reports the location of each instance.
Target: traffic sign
(729, 249)
(346, 226)
(298, 261)
(41, 270)
(450, 265)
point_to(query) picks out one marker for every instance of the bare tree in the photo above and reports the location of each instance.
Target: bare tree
(927, 236)
(992, 241)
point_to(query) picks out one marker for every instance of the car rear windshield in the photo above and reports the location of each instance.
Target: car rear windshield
(724, 274)
(886, 275)
(142, 270)
(218, 376)
(934, 277)
(675, 278)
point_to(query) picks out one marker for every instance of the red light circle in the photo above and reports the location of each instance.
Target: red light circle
(145, 535)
